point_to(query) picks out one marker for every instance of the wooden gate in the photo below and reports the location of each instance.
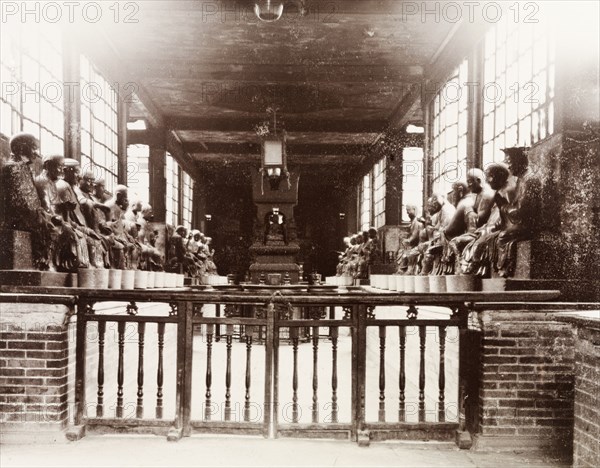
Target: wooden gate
(357, 366)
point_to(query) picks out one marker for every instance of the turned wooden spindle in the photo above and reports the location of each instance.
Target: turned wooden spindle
(139, 411)
(382, 373)
(208, 396)
(422, 374)
(442, 375)
(402, 377)
(160, 371)
(100, 404)
(120, 369)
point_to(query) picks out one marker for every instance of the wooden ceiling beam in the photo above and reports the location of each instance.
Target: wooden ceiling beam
(317, 149)
(224, 159)
(292, 124)
(233, 76)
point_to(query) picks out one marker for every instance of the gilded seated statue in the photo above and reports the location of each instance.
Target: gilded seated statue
(21, 207)
(521, 210)
(275, 228)
(73, 211)
(71, 250)
(411, 241)
(95, 217)
(472, 211)
(122, 246)
(441, 211)
(479, 255)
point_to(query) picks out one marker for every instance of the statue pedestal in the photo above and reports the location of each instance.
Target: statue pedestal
(274, 262)
(15, 250)
(35, 278)
(275, 248)
(16, 264)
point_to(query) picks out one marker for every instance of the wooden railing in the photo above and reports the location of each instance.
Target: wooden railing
(282, 376)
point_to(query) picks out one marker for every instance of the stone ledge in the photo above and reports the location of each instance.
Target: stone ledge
(34, 278)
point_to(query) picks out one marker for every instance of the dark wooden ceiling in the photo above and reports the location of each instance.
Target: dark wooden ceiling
(339, 72)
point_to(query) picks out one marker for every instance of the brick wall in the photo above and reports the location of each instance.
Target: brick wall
(586, 441)
(526, 382)
(33, 372)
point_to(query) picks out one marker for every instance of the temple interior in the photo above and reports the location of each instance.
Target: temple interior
(231, 153)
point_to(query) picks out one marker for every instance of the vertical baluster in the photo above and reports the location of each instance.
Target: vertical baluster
(381, 374)
(120, 369)
(160, 371)
(315, 382)
(139, 411)
(209, 337)
(218, 327)
(422, 375)
(334, 333)
(294, 337)
(100, 404)
(229, 337)
(402, 379)
(249, 332)
(442, 375)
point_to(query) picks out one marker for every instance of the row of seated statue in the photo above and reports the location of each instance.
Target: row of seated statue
(362, 250)
(478, 233)
(75, 223)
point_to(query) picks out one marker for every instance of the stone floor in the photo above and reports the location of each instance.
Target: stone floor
(208, 451)
(150, 451)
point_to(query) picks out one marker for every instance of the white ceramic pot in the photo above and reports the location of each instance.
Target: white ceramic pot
(151, 279)
(409, 283)
(399, 283)
(101, 278)
(114, 279)
(159, 279)
(141, 279)
(461, 283)
(437, 284)
(86, 278)
(421, 284)
(127, 279)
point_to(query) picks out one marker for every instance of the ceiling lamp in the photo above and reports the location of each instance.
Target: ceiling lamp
(268, 10)
(273, 152)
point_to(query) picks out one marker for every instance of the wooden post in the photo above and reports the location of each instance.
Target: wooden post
(72, 99)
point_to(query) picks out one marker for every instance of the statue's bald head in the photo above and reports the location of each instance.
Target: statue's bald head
(435, 203)
(497, 175)
(147, 212)
(120, 189)
(475, 180)
(25, 145)
(121, 196)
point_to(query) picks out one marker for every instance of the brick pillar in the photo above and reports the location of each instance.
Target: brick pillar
(586, 436)
(33, 372)
(526, 382)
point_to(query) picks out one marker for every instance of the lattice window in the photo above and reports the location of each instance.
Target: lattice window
(365, 202)
(449, 135)
(172, 202)
(379, 187)
(188, 199)
(518, 95)
(412, 179)
(99, 126)
(138, 177)
(32, 99)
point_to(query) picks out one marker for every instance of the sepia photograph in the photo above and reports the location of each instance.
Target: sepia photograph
(300, 233)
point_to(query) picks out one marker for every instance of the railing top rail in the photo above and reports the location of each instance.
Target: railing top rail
(22, 298)
(536, 306)
(360, 297)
